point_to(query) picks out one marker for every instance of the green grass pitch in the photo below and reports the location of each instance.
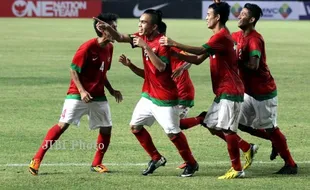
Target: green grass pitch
(35, 55)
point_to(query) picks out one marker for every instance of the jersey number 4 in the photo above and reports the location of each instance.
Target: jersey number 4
(102, 66)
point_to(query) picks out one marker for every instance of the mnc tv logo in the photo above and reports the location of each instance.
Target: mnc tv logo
(236, 9)
(285, 10)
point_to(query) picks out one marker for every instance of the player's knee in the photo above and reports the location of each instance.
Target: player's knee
(136, 128)
(212, 131)
(270, 130)
(245, 128)
(228, 132)
(172, 136)
(105, 130)
(63, 126)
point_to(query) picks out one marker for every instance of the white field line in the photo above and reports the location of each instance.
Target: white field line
(143, 164)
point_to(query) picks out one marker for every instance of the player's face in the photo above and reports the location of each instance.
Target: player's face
(244, 18)
(145, 25)
(211, 19)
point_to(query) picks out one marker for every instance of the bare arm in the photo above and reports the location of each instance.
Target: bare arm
(85, 96)
(101, 25)
(194, 59)
(138, 71)
(108, 85)
(253, 63)
(156, 61)
(126, 62)
(190, 49)
(117, 94)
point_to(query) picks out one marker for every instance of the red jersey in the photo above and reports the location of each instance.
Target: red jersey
(258, 83)
(226, 82)
(92, 63)
(158, 86)
(186, 90)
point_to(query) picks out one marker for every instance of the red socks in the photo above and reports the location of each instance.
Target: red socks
(180, 141)
(188, 123)
(103, 142)
(147, 143)
(233, 150)
(279, 141)
(243, 145)
(52, 135)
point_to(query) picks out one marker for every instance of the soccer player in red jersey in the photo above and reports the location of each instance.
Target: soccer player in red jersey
(86, 95)
(159, 93)
(186, 90)
(259, 109)
(227, 86)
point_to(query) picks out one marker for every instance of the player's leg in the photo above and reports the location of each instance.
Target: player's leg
(187, 123)
(280, 143)
(212, 119)
(225, 117)
(142, 115)
(168, 118)
(247, 116)
(100, 117)
(71, 113)
(267, 120)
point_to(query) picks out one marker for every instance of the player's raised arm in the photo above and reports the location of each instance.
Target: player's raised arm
(165, 41)
(193, 59)
(101, 25)
(159, 62)
(126, 62)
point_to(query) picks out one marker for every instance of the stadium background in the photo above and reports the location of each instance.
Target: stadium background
(279, 10)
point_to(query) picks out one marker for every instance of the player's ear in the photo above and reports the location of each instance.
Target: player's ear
(218, 17)
(252, 20)
(155, 27)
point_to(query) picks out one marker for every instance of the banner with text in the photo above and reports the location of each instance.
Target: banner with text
(50, 8)
(272, 10)
(170, 9)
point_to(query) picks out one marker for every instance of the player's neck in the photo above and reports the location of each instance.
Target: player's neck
(152, 35)
(102, 42)
(218, 27)
(248, 30)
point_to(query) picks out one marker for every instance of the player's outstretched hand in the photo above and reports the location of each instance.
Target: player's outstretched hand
(101, 25)
(178, 72)
(86, 97)
(118, 96)
(137, 41)
(165, 41)
(124, 60)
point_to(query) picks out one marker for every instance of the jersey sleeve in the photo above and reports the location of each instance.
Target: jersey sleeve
(164, 54)
(214, 45)
(255, 47)
(79, 59)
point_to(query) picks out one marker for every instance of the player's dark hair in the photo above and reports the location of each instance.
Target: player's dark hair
(162, 27)
(254, 11)
(222, 9)
(156, 15)
(106, 17)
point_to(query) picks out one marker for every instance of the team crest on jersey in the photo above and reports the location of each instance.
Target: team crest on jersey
(154, 50)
